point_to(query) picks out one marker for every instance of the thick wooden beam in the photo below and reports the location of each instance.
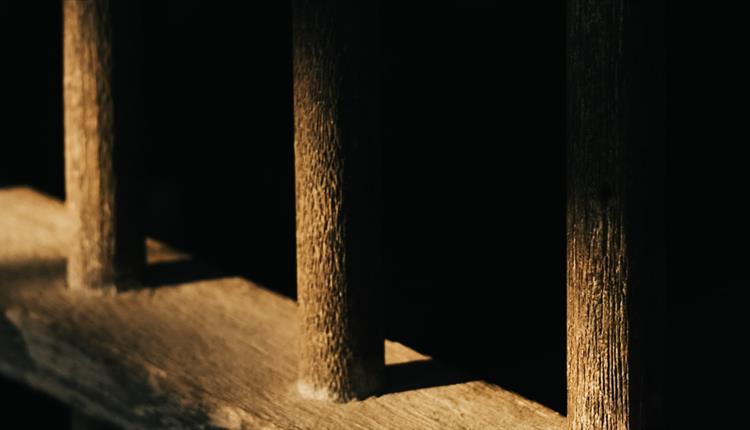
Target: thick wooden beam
(107, 246)
(614, 212)
(337, 161)
(206, 354)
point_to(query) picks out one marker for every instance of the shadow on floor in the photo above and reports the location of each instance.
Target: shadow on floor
(179, 272)
(417, 375)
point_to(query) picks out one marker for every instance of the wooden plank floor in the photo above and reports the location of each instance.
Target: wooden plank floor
(211, 353)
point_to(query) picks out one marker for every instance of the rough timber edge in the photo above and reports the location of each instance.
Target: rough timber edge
(466, 405)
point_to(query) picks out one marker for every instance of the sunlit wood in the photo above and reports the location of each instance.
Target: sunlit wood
(337, 162)
(107, 246)
(219, 353)
(613, 233)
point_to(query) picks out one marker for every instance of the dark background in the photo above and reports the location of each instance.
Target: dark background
(473, 130)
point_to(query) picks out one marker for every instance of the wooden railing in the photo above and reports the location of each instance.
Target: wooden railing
(342, 354)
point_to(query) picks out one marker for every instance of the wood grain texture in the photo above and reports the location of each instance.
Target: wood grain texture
(211, 354)
(106, 247)
(338, 203)
(613, 243)
(598, 272)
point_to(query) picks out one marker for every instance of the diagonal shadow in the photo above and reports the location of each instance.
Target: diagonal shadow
(179, 272)
(42, 272)
(420, 374)
(32, 273)
(19, 271)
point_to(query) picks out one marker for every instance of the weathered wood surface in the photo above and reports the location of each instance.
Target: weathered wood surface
(215, 353)
(337, 174)
(614, 198)
(598, 331)
(108, 246)
(79, 421)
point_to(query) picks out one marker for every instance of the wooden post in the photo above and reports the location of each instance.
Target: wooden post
(338, 203)
(107, 245)
(614, 211)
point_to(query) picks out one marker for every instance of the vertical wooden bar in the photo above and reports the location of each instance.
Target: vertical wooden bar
(338, 203)
(107, 247)
(615, 197)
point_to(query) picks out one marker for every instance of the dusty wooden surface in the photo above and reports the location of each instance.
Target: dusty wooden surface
(615, 240)
(79, 421)
(108, 246)
(212, 353)
(338, 205)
